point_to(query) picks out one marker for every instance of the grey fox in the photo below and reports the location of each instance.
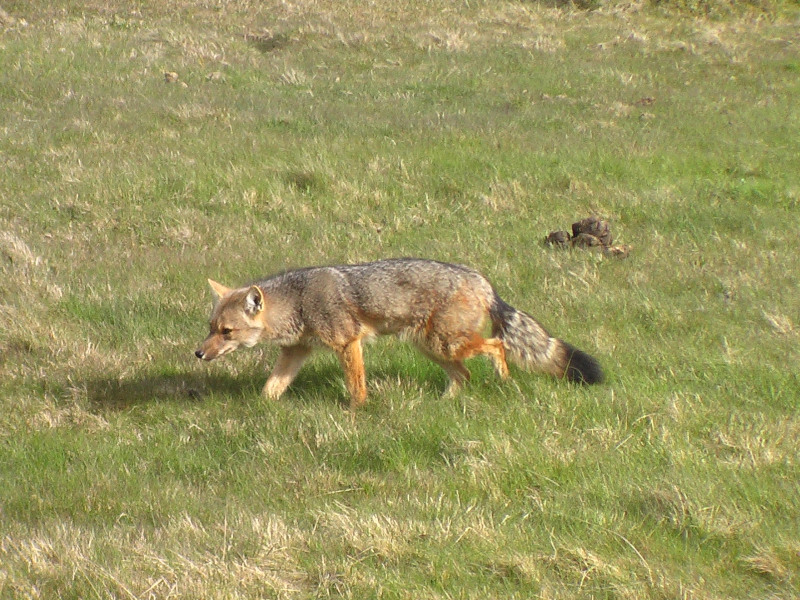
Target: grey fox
(442, 308)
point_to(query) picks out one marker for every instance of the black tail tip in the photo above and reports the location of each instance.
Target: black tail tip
(582, 368)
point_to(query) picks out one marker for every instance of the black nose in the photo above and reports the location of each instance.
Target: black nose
(199, 354)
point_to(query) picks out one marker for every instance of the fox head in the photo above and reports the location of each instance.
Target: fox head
(235, 320)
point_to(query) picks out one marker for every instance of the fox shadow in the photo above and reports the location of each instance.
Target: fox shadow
(145, 388)
(315, 383)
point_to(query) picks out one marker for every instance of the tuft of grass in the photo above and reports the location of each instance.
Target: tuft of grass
(298, 134)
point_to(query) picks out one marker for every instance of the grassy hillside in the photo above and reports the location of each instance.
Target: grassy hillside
(296, 133)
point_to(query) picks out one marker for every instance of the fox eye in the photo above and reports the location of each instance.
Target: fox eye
(227, 331)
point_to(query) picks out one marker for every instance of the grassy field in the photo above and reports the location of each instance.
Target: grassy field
(323, 132)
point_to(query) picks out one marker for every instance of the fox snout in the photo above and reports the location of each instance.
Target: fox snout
(216, 345)
(213, 347)
(203, 354)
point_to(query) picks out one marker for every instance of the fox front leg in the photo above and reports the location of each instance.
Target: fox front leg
(285, 370)
(352, 360)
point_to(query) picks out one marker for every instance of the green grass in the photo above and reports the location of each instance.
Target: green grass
(334, 132)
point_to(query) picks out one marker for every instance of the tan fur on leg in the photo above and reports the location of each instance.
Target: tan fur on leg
(352, 361)
(285, 370)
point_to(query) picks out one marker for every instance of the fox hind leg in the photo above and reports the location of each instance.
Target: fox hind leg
(456, 371)
(451, 354)
(494, 349)
(476, 345)
(454, 334)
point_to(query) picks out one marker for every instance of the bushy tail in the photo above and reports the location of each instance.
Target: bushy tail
(529, 345)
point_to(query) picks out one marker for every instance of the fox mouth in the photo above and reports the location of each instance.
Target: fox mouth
(203, 355)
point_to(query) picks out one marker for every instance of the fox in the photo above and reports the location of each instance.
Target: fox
(446, 310)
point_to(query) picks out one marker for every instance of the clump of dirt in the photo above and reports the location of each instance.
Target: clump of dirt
(591, 233)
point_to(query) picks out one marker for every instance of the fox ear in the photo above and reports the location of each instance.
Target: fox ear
(218, 289)
(254, 301)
